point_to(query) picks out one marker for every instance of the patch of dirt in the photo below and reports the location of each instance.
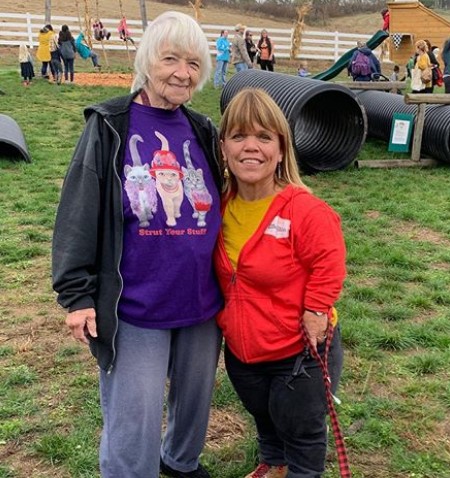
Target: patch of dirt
(26, 465)
(414, 231)
(373, 214)
(104, 79)
(225, 427)
(420, 233)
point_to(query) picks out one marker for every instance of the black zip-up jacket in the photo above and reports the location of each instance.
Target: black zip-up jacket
(87, 240)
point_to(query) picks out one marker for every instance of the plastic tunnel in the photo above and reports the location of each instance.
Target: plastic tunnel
(12, 141)
(328, 123)
(380, 107)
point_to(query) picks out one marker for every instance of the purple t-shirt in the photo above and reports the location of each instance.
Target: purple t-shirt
(171, 222)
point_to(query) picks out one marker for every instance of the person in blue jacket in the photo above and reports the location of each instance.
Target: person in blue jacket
(222, 59)
(364, 65)
(84, 51)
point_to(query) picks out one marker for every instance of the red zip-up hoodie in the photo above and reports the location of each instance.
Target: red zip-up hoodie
(294, 261)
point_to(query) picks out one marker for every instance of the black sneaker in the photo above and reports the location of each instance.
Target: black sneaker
(200, 472)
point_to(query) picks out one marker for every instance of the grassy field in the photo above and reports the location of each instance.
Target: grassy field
(394, 313)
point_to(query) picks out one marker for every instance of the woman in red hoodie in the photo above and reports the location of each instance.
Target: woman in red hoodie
(280, 261)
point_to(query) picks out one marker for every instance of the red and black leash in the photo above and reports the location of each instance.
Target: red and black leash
(344, 468)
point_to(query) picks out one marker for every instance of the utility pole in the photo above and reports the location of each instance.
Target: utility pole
(48, 11)
(143, 14)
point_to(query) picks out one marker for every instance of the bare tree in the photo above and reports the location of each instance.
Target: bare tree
(143, 14)
(48, 11)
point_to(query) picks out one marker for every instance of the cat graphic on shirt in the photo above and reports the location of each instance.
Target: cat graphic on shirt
(195, 188)
(167, 172)
(140, 186)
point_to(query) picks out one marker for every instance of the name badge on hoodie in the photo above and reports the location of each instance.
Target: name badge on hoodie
(279, 228)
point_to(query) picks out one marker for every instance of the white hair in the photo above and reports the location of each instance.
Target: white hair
(180, 32)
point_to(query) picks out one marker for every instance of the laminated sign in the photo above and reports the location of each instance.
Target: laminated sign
(402, 126)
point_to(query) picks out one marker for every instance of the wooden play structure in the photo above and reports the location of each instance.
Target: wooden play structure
(411, 21)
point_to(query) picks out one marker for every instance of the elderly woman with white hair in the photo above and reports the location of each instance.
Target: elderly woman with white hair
(132, 256)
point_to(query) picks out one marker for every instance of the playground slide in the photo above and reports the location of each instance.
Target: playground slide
(342, 63)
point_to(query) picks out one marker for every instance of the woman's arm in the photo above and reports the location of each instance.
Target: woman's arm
(321, 248)
(75, 238)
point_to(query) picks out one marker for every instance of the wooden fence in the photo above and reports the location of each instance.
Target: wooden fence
(18, 28)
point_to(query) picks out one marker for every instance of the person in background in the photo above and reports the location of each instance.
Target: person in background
(386, 19)
(43, 51)
(422, 63)
(303, 69)
(251, 47)
(223, 47)
(85, 51)
(265, 48)
(133, 249)
(124, 32)
(26, 64)
(56, 59)
(436, 51)
(363, 64)
(239, 54)
(446, 59)
(67, 49)
(280, 261)
(434, 64)
(100, 32)
(395, 74)
(410, 66)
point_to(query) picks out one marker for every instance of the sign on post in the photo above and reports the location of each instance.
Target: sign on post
(401, 130)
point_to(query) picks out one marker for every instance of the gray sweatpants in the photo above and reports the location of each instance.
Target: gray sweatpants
(132, 397)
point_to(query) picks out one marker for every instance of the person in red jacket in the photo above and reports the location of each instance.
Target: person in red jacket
(386, 19)
(280, 261)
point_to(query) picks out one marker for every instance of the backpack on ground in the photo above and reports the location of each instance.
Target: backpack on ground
(361, 65)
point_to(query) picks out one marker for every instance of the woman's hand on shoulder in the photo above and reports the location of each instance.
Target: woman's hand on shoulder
(82, 324)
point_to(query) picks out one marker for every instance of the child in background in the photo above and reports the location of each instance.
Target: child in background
(124, 33)
(26, 64)
(56, 59)
(410, 66)
(395, 74)
(85, 51)
(100, 32)
(303, 69)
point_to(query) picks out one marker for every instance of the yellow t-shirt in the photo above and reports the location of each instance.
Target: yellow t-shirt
(240, 221)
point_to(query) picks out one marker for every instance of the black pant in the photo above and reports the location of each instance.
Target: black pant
(266, 65)
(44, 69)
(290, 419)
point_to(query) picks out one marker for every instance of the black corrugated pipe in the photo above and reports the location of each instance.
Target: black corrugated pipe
(328, 122)
(380, 107)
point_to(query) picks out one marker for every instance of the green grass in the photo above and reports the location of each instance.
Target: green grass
(394, 312)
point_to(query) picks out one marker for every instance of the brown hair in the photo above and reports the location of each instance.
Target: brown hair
(252, 107)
